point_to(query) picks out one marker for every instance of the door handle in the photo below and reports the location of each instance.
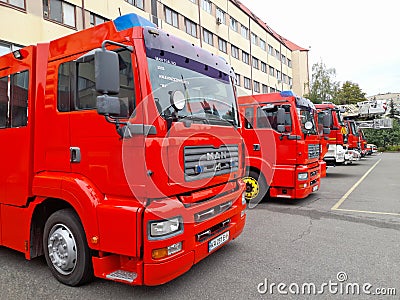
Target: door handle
(75, 154)
(256, 147)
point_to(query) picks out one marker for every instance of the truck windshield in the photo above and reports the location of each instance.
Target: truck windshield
(209, 95)
(307, 115)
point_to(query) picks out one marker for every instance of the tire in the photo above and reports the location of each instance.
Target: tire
(66, 250)
(256, 187)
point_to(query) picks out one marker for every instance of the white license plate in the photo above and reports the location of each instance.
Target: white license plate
(315, 188)
(218, 241)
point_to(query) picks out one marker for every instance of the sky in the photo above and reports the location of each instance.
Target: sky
(360, 39)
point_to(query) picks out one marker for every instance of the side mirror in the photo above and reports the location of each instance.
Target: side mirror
(177, 100)
(107, 105)
(281, 115)
(326, 130)
(308, 125)
(281, 128)
(106, 72)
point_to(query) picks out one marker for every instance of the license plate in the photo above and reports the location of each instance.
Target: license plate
(218, 241)
(315, 188)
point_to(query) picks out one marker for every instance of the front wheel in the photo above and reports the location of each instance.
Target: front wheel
(256, 187)
(65, 248)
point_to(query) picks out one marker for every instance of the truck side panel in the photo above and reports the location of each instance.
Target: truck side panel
(16, 124)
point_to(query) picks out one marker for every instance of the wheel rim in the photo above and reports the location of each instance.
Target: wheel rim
(252, 187)
(62, 249)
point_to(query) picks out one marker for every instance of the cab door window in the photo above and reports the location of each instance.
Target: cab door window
(77, 91)
(14, 100)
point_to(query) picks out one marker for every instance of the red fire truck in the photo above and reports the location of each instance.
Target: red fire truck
(122, 157)
(353, 140)
(283, 145)
(336, 152)
(363, 142)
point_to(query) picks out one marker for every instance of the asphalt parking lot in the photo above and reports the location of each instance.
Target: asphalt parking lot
(342, 237)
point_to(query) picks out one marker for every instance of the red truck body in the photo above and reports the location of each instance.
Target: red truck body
(336, 153)
(353, 139)
(138, 208)
(283, 156)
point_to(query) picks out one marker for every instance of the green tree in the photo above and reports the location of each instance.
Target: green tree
(392, 109)
(322, 87)
(349, 93)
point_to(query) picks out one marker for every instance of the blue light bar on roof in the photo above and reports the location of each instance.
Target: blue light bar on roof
(287, 94)
(130, 21)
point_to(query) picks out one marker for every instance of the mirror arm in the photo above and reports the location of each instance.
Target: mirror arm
(103, 45)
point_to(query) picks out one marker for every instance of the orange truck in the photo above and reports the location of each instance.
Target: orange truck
(123, 158)
(283, 141)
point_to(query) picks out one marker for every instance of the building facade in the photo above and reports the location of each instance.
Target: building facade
(263, 60)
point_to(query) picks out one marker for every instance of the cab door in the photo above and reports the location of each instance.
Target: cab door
(96, 148)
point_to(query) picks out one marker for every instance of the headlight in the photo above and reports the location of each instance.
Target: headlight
(165, 227)
(243, 198)
(302, 176)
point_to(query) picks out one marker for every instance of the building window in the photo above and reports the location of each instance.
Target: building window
(247, 83)
(245, 32)
(283, 58)
(263, 67)
(237, 79)
(255, 63)
(171, 17)
(290, 80)
(285, 78)
(222, 45)
(59, 11)
(235, 51)
(137, 3)
(245, 57)
(271, 71)
(234, 24)
(17, 3)
(263, 45)
(256, 86)
(289, 63)
(264, 89)
(270, 50)
(277, 55)
(220, 14)
(206, 5)
(208, 37)
(191, 28)
(278, 75)
(254, 39)
(96, 19)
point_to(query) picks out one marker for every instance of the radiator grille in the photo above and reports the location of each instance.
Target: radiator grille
(207, 161)
(313, 151)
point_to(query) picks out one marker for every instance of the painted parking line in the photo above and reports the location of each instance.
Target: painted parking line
(345, 196)
(367, 212)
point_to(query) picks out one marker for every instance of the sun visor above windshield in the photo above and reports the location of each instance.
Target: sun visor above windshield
(156, 39)
(305, 103)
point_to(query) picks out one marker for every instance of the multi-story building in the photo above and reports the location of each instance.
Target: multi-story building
(263, 60)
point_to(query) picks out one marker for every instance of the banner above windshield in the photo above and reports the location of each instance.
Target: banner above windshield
(159, 40)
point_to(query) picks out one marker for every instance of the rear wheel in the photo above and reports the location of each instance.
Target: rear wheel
(66, 250)
(256, 187)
